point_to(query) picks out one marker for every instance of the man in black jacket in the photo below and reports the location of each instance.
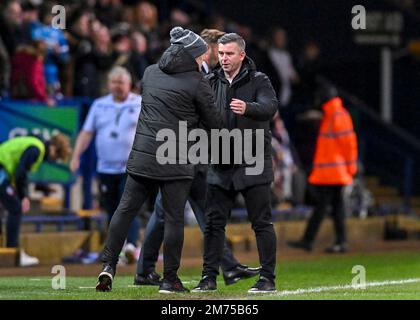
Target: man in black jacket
(233, 271)
(247, 100)
(174, 91)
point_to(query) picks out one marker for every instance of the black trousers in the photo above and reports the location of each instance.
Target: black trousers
(154, 232)
(136, 192)
(111, 188)
(219, 205)
(323, 197)
(12, 203)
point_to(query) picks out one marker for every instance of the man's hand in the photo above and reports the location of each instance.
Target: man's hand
(238, 106)
(74, 164)
(26, 205)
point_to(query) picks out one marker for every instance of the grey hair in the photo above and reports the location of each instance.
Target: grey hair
(233, 37)
(119, 71)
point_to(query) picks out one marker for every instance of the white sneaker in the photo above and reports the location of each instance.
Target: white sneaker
(26, 260)
(130, 252)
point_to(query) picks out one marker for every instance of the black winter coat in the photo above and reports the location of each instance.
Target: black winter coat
(173, 90)
(255, 89)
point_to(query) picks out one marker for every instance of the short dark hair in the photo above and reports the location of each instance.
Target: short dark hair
(211, 35)
(233, 37)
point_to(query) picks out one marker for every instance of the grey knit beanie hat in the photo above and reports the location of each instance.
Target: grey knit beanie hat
(191, 41)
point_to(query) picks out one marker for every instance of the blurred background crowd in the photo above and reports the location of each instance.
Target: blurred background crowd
(105, 33)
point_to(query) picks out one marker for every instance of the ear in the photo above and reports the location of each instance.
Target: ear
(242, 55)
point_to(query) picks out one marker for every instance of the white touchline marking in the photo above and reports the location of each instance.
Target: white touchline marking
(320, 289)
(344, 287)
(34, 279)
(137, 286)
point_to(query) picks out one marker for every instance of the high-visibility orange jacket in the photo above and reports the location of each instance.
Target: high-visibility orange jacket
(335, 159)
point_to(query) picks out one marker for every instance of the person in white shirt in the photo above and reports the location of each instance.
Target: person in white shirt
(113, 119)
(283, 65)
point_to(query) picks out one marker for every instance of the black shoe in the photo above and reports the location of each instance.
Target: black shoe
(105, 279)
(240, 272)
(301, 244)
(263, 285)
(206, 284)
(337, 248)
(150, 279)
(175, 286)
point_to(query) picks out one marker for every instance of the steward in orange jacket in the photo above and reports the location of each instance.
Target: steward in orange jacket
(334, 165)
(335, 160)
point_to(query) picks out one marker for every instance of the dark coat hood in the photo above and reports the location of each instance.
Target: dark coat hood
(177, 60)
(172, 91)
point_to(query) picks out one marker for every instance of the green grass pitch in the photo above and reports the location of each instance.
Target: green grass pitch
(388, 276)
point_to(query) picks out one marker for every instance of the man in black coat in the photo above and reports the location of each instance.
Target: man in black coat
(247, 100)
(175, 97)
(233, 271)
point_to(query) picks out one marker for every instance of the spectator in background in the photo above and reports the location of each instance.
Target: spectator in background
(179, 17)
(28, 77)
(284, 74)
(334, 165)
(146, 16)
(108, 12)
(253, 48)
(130, 52)
(305, 140)
(305, 143)
(309, 68)
(120, 35)
(12, 31)
(5, 68)
(246, 99)
(173, 90)
(138, 59)
(146, 21)
(218, 22)
(284, 162)
(30, 14)
(18, 157)
(82, 74)
(113, 119)
(57, 50)
(91, 55)
(122, 50)
(127, 15)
